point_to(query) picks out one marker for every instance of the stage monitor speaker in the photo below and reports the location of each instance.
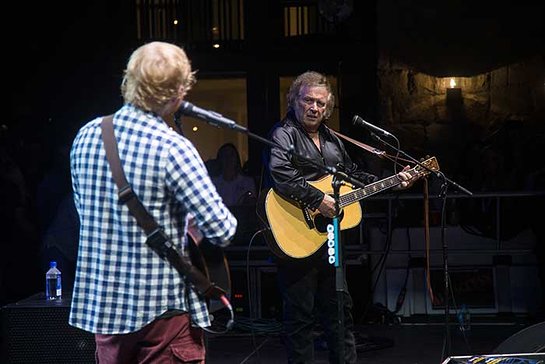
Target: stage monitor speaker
(37, 331)
(525, 346)
(528, 340)
(522, 358)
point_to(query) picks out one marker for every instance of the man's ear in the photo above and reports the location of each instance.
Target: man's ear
(181, 91)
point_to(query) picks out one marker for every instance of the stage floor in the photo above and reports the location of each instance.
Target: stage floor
(414, 340)
(379, 344)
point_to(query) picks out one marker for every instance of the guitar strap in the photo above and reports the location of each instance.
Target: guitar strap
(370, 149)
(157, 239)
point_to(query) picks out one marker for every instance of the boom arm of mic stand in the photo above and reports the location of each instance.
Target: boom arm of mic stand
(437, 173)
(234, 126)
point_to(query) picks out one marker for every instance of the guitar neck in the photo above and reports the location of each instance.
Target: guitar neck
(371, 189)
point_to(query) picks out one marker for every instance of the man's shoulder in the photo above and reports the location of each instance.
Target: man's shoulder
(89, 128)
(92, 124)
(286, 127)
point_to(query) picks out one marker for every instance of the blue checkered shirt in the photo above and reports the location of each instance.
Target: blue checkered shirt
(121, 284)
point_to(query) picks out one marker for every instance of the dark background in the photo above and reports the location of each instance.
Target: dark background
(63, 66)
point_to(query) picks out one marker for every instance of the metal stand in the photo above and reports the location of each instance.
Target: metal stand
(446, 278)
(338, 263)
(445, 182)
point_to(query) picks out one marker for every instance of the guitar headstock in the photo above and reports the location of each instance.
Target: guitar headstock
(428, 165)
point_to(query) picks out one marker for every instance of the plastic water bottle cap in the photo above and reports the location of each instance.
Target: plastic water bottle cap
(53, 264)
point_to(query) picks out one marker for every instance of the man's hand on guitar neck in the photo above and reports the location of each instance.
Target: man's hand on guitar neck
(193, 231)
(407, 180)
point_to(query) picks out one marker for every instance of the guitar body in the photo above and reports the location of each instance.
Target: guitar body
(292, 237)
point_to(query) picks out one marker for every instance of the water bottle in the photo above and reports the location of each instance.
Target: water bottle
(53, 282)
(464, 319)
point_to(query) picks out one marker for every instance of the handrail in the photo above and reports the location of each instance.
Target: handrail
(497, 196)
(412, 196)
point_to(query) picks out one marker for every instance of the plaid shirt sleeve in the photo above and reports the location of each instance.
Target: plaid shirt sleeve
(188, 179)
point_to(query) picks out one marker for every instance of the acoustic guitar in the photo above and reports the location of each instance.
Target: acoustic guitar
(298, 232)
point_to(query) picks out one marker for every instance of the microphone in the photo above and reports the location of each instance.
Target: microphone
(213, 118)
(360, 122)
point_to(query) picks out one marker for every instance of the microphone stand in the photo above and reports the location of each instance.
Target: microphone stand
(443, 195)
(338, 178)
(339, 270)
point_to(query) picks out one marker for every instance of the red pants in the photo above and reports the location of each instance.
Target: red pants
(170, 340)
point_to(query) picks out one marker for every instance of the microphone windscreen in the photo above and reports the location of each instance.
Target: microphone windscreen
(356, 120)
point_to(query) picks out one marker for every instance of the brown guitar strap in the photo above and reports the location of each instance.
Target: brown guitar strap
(157, 239)
(370, 149)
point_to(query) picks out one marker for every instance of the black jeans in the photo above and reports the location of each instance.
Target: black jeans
(308, 292)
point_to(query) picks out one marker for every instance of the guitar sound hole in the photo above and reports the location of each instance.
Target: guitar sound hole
(321, 222)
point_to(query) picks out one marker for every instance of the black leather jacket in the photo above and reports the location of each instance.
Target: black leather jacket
(291, 174)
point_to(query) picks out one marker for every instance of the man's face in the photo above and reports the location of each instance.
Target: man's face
(311, 106)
